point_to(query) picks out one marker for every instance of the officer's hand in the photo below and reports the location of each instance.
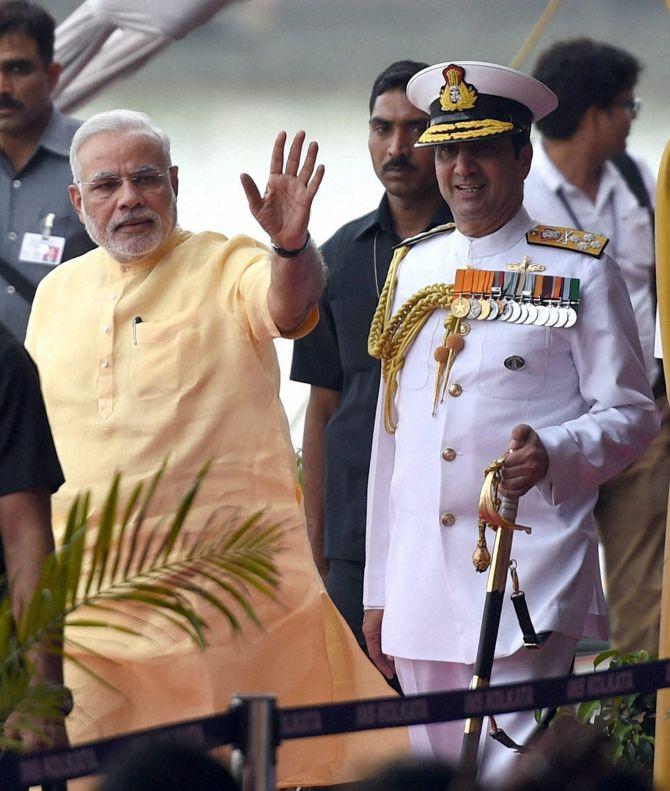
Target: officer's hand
(372, 631)
(526, 462)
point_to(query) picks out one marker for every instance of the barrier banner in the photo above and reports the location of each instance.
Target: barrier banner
(300, 722)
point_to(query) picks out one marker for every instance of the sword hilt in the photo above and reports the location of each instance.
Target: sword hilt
(508, 508)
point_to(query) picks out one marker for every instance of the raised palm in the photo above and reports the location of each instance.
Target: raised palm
(283, 209)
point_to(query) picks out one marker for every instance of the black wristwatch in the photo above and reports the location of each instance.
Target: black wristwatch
(282, 253)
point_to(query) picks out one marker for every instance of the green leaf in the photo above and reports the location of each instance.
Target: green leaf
(586, 710)
(603, 656)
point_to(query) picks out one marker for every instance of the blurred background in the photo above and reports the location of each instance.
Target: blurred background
(259, 66)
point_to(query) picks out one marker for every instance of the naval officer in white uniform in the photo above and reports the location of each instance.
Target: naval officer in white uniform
(552, 376)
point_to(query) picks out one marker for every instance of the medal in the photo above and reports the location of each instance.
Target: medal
(475, 309)
(542, 309)
(494, 310)
(531, 317)
(509, 283)
(554, 314)
(574, 302)
(494, 300)
(542, 316)
(460, 306)
(565, 303)
(485, 289)
(519, 314)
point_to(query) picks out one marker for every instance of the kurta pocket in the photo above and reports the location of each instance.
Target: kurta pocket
(166, 356)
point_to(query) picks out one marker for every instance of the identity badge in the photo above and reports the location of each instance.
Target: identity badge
(37, 249)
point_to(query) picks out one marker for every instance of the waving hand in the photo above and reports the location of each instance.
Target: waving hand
(283, 209)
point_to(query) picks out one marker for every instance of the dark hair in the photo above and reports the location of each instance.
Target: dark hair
(165, 766)
(397, 75)
(18, 16)
(583, 73)
(520, 139)
(414, 774)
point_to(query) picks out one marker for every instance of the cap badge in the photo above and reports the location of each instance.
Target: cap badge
(456, 94)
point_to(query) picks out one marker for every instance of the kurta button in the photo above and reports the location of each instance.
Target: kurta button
(16, 183)
(448, 454)
(455, 390)
(104, 364)
(447, 519)
(11, 236)
(112, 297)
(10, 290)
(105, 329)
(124, 268)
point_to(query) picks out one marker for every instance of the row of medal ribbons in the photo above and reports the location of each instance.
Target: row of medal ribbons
(516, 297)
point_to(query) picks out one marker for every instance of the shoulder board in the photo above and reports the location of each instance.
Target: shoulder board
(412, 240)
(568, 239)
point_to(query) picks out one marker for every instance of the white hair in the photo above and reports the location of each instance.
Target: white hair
(116, 121)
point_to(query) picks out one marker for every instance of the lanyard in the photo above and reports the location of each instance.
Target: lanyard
(568, 208)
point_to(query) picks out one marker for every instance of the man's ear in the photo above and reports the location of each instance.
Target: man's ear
(526, 158)
(53, 75)
(174, 178)
(591, 120)
(75, 199)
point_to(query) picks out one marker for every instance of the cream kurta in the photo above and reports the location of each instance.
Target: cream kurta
(197, 380)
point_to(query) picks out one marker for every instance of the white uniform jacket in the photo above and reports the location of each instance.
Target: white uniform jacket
(617, 214)
(583, 389)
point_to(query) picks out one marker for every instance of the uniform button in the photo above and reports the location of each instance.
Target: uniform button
(464, 328)
(514, 363)
(105, 329)
(11, 236)
(104, 364)
(16, 183)
(448, 454)
(10, 290)
(447, 519)
(455, 390)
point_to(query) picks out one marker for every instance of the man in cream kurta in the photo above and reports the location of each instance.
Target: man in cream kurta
(159, 345)
(571, 406)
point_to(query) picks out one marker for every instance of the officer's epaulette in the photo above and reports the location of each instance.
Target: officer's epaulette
(412, 240)
(568, 238)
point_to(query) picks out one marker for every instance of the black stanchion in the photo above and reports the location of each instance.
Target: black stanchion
(253, 761)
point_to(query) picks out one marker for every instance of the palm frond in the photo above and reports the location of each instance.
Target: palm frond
(128, 561)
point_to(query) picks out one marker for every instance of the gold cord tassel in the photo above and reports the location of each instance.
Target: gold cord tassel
(481, 557)
(391, 336)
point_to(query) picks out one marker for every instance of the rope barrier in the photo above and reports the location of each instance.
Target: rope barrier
(310, 721)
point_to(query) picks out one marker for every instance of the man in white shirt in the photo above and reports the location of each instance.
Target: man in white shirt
(580, 177)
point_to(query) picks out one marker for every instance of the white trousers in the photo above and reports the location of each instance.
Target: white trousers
(443, 740)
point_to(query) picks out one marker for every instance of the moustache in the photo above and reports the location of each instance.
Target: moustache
(141, 216)
(398, 163)
(8, 103)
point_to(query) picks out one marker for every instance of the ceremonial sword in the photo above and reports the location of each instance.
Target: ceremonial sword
(501, 514)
